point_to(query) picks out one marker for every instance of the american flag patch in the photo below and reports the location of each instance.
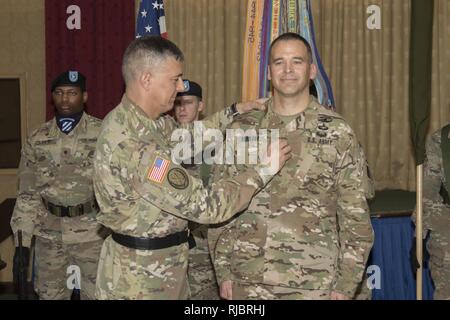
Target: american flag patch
(158, 170)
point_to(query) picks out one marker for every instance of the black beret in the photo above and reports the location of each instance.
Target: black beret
(70, 78)
(191, 88)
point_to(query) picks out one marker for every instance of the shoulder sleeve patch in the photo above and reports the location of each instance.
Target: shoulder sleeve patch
(178, 178)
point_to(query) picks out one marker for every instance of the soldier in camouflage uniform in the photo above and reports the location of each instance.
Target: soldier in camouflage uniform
(364, 292)
(307, 234)
(56, 200)
(201, 276)
(144, 196)
(436, 209)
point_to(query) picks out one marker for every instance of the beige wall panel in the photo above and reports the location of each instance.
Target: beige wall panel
(22, 52)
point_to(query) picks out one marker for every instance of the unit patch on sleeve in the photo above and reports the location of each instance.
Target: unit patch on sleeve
(178, 178)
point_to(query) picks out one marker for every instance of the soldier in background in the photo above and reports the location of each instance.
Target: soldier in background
(56, 202)
(307, 234)
(436, 210)
(201, 276)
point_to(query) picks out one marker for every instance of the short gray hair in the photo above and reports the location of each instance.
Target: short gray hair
(145, 53)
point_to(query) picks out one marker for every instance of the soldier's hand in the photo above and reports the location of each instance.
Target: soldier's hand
(415, 264)
(24, 259)
(226, 291)
(277, 155)
(338, 296)
(244, 107)
(285, 152)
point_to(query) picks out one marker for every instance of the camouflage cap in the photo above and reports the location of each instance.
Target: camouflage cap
(70, 78)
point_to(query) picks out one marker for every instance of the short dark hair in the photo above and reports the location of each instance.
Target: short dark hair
(290, 36)
(146, 53)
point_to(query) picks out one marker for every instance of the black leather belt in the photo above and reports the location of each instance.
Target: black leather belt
(70, 211)
(171, 240)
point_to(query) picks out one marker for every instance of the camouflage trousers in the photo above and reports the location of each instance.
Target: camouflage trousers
(125, 273)
(363, 292)
(51, 268)
(201, 277)
(440, 270)
(243, 291)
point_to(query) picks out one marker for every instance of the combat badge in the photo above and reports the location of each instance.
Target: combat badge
(178, 179)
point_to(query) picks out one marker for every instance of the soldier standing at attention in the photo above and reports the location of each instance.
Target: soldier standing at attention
(436, 210)
(56, 200)
(201, 277)
(144, 196)
(307, 234)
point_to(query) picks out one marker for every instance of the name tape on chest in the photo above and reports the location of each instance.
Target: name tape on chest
(45, 142)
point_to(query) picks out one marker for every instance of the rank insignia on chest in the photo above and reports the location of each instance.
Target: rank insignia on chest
(158, 171)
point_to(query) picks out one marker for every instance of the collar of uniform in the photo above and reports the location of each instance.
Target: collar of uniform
(82, 126)
(312, 110)
(138, 114)
(299, 122)
(54, 130)
(271, 116)
(313, 105)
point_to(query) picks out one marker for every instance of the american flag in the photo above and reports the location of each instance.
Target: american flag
(158, 170)
(151, 19)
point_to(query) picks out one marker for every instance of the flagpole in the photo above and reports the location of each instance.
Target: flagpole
(419, 230)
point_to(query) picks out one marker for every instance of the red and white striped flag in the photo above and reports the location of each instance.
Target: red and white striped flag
(158, 170)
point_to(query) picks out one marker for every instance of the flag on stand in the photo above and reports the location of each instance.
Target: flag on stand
(151, 19)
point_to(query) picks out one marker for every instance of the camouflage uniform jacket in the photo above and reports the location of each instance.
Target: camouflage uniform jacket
(436, 214)
(309, 228)
(58, 168)
(132, 203)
